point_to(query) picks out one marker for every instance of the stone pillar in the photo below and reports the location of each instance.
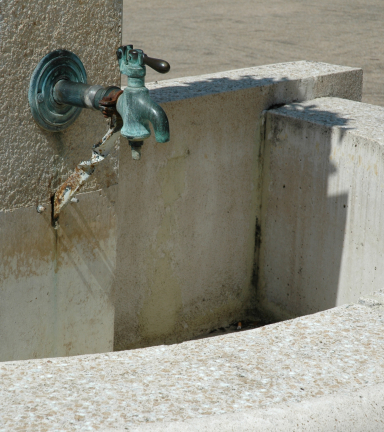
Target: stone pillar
(54, 285)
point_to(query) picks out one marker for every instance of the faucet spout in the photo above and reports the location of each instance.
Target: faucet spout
(137, 110)
(135, 105)
(158, 118)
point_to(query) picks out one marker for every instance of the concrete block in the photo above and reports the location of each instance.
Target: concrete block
(321, 232)
(188, 210)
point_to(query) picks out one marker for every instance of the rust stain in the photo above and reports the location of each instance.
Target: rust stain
(85, 169)
(69, 188)
(108, 103)
(30, 246)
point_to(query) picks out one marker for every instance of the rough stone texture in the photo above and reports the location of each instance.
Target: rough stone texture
(298, 362)
(188, 210)
(33, 161)
(321, 231)
(358, 411)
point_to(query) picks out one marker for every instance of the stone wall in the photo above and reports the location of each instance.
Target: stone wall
(322, 231)
(188, 211)
(55, 287)
(34, 162)
(168, 252)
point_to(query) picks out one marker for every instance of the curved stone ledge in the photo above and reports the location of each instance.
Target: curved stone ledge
(321, 363)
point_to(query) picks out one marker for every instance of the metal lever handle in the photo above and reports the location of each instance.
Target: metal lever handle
(158, 65)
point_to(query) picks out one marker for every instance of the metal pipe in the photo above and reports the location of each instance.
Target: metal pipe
(81, 95)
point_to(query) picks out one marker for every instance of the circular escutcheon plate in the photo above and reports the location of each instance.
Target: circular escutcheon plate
(55, 66)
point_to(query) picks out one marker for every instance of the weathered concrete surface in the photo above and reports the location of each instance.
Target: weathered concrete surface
(321, 226)
(201, 37)
(56, 286)
(358, 411)
(34, 162)
(290, 369)
(187, 211)
(186, 224)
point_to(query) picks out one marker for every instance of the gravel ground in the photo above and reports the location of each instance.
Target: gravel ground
(199, 37)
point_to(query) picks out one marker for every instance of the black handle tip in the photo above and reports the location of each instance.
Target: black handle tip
(158, 65)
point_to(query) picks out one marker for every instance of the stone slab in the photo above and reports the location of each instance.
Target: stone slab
(358, 411)
(315, 362)
(321, 225)
(56, 286)
(297, 80)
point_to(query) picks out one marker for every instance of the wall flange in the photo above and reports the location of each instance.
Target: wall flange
(55, 66)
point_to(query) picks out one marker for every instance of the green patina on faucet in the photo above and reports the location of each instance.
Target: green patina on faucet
(134, 105)
(58, 91)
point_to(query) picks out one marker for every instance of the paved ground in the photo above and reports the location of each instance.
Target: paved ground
(200, 36)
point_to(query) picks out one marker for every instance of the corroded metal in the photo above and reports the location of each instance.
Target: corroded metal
(58, 91)
(135, 106)
(107, 105)
(76, 94)
(55, 66)
(82, 95)
(136, 149)
(66, 192)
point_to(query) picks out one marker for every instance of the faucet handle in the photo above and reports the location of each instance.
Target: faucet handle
(131, 62)
(158, 65)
